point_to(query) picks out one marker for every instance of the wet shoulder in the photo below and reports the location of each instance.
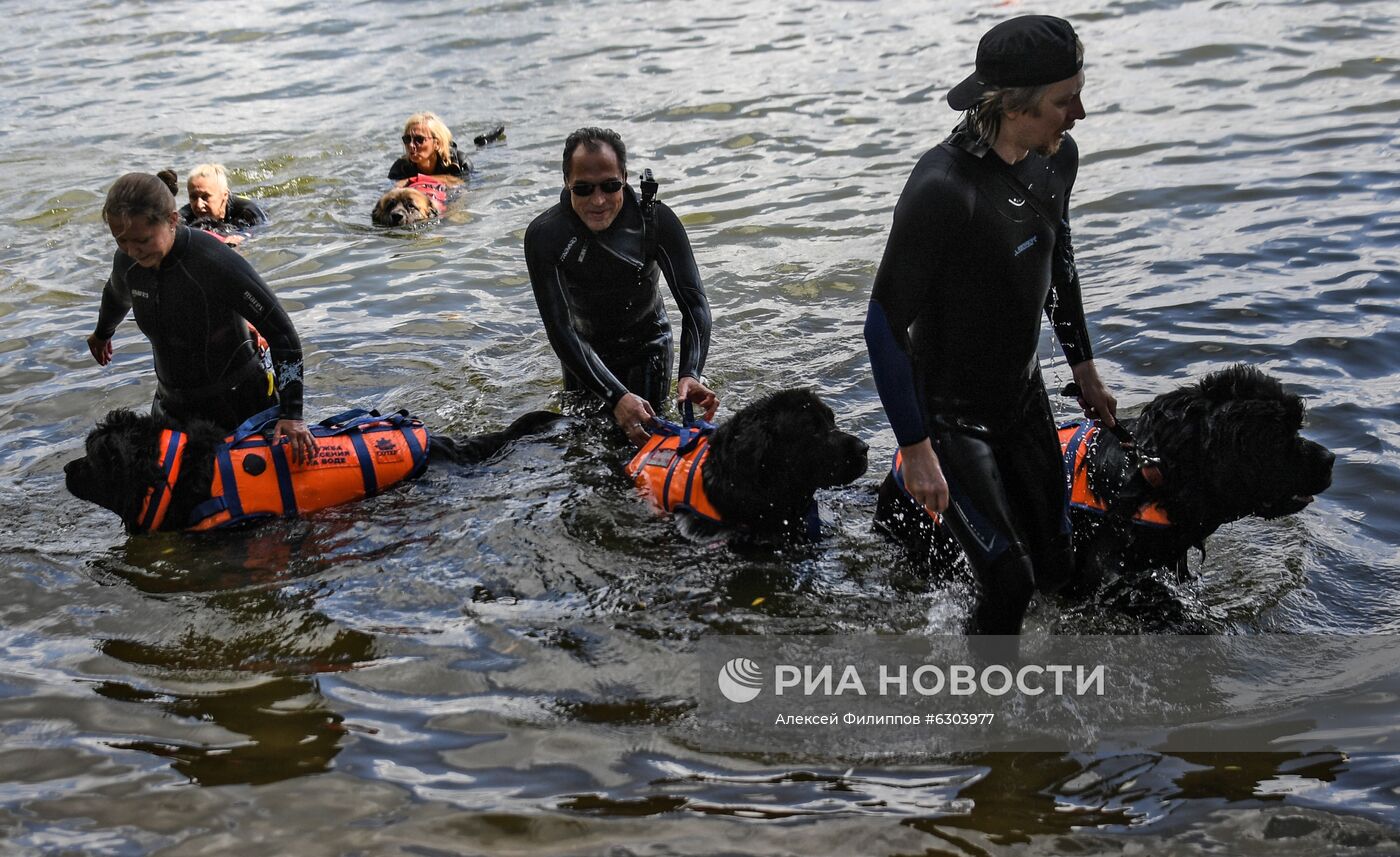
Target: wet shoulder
(550, 227)
(245, 212)
(941, 182)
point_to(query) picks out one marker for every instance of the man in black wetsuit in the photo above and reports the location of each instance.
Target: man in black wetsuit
(594, 269)
(194, 299)
(980, 246)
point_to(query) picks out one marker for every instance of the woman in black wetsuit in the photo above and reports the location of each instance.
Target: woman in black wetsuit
(428, 149)
(194, 299)
(595, 276)
(212, 207)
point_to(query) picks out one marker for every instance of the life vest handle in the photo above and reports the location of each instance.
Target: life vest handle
(1119, 431)
(258, 423)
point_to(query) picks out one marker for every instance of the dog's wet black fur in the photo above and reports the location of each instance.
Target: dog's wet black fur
(1229, 448)
(121, 464)
(767, 462)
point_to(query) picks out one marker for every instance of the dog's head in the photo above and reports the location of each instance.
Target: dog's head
(769, 459)
(403, 206)
(120, 464)
(1230, 448)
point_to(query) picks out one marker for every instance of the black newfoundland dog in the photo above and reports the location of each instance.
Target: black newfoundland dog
(1203, 455)
(759, 471)
(123, 469)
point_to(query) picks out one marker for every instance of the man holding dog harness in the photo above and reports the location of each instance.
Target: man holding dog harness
(979, 247)
(595, 259)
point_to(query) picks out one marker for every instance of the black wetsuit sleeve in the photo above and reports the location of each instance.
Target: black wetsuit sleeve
(402, 169)
(244, 291)
(926, 221)
(116, 303)
(579, 359)
(243, 213)
(677, 262)
(1065, 306)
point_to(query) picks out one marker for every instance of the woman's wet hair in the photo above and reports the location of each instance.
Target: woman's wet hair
(593, 139)
(140, 196)
(441, 135)
(171, 180)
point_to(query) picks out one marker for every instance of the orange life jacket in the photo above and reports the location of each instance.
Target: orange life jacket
(358, 454)
(1075, 440)
(668, 469)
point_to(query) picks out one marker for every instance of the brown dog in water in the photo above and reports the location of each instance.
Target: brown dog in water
(414, 200)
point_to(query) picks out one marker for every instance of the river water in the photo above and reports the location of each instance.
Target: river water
(464, 666)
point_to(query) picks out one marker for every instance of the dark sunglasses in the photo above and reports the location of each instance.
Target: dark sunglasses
(587, 188)
(415, 139)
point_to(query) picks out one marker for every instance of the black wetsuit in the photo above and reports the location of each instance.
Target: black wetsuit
(601, 306)
(242, 215)
(953, 327)
(460, 167)
(193, 309)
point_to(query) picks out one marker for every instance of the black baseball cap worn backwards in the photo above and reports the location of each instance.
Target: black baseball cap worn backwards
(1031, 50)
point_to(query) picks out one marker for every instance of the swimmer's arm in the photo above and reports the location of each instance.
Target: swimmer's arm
(677, 263)
(929, 215)
(116, 303)
(240, 288)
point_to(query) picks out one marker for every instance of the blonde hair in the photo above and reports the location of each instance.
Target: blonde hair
(208, 171)
(441, 135)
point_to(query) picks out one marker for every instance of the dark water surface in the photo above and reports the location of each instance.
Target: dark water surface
(463, 666)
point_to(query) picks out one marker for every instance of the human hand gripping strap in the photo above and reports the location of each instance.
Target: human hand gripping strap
(1149, 465)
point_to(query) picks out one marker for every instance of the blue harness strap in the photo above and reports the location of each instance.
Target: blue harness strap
(256, 424)
(229, 499)
(278, 454)
(371, 481)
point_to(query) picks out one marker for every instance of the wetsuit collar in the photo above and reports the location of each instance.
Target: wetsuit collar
(178, 246)
(964, 138)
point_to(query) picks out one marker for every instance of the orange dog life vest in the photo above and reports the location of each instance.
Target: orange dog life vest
(358, 454)
(1075, 440)
(668, 470)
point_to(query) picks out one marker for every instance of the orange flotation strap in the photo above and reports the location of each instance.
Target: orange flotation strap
(668, 469)
(358, 454)
(1075, 440)
(171, 451)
